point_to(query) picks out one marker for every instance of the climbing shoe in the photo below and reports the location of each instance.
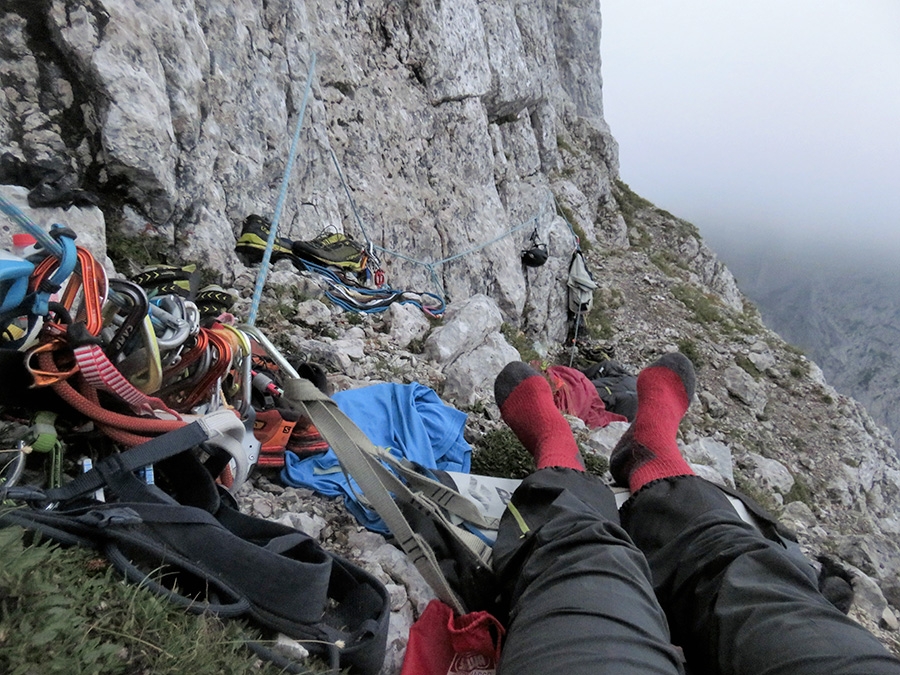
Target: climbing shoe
(214, 300)
(168, 280)
(333, 249)
(273, 429)
(305, 440)
(255, 237)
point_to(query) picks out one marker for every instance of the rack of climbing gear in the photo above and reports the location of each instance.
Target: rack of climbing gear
(153, 392)
(129, 358)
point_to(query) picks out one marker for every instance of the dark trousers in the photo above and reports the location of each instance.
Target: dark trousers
(589, 593)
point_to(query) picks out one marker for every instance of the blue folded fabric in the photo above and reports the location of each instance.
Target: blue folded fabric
(408, 419)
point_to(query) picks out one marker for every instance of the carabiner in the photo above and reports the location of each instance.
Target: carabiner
(126, 296)
(271, 350)
(164, 311)
(87, 275)
(45, 378)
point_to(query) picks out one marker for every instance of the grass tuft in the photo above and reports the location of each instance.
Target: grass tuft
(499, 453)
(67, 611)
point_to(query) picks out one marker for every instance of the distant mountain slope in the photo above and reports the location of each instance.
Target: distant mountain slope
(845, 315)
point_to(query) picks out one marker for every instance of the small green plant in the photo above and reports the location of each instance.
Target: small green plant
(704, 307)
(595, 464)
(762, 497)
(745, 323)
(600, 318)
(520, 342)
(562, 144)
(745, 363)
(685, 228)
(569, 215)
(639, 237)
(664, 262)
(329, 332)
(800, 492)
(799, 369)
(478, 408)
(134, 253)
(793, 349)
(689, 348)
(416, 346)
(630, 202)
(499, 453)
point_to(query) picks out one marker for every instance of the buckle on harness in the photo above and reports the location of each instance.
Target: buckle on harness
(117, 516)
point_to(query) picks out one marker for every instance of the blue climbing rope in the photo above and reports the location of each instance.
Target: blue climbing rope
(273, 229)
(44, 239)
(562, 215)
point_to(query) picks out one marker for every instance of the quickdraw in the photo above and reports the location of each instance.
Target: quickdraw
(123, 315)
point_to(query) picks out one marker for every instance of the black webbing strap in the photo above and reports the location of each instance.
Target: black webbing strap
(153, 451)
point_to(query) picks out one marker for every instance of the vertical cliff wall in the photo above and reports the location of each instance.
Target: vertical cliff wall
(446, 120)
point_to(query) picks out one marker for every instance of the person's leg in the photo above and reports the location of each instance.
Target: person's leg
(579, 591)
(737, 602)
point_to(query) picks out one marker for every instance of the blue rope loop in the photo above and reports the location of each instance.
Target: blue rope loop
(340, 293)
(44, 239)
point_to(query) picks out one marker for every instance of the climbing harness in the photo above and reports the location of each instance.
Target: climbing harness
(218, 555)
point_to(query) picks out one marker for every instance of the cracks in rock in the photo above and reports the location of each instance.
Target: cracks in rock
(68, 122)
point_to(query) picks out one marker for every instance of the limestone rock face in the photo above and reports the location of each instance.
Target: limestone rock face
(438, 120)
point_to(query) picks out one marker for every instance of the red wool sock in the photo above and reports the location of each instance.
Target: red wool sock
(648, 450)
(526, 405)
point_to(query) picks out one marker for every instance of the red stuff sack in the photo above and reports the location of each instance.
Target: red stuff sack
(443, 644)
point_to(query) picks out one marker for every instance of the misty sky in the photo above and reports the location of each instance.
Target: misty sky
(771, 116)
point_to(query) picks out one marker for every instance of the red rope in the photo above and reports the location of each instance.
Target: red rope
(100, 414)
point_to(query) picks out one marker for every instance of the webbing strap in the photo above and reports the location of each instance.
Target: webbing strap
(356, 454)
(437, 492)
(151, 452)
(435, 505)
(101, 373)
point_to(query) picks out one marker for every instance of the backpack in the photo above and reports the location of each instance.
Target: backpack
(615, 385)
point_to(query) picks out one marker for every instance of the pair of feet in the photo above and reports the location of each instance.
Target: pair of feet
(646, 452)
